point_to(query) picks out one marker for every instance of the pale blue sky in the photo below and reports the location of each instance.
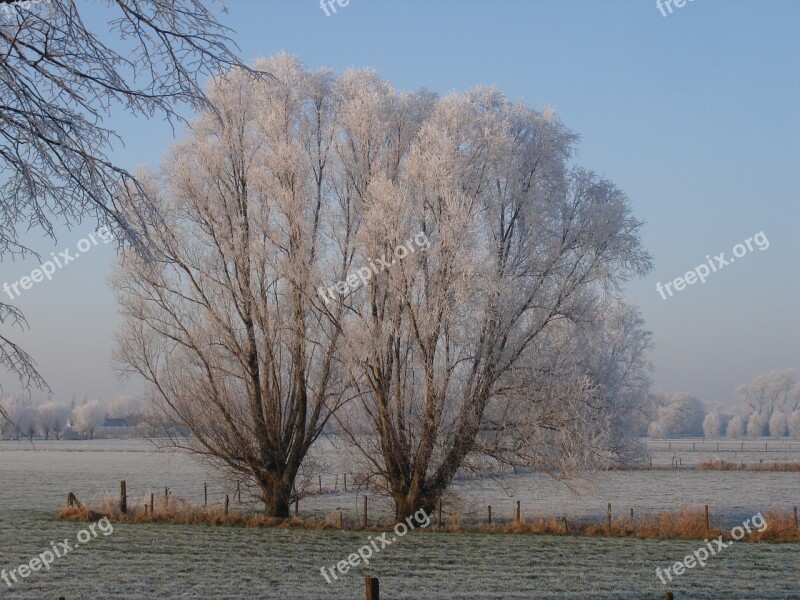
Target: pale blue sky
(695, 115)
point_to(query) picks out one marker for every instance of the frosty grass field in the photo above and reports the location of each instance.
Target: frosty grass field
(165, 561)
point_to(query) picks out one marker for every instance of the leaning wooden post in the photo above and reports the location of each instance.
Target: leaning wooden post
(364, 516)
(608, 518)
(439, 521)
(490, 514)
(123, 498)
(517, 513)
(226, 505)
(205, 494)
(372, 588)
(708, 526)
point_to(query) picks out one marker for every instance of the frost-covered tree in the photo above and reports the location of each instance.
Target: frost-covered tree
(226, 328)
(21, 414)
(793, 424)
(679, 414)
(588, 390)
(656, 430)
(756, 425)
(449, 341)
(777, 424)
(51, 418)
(465, 240)
(770, 392)
(89, 417)
(712, 425)
(736, 427)
(62, 74)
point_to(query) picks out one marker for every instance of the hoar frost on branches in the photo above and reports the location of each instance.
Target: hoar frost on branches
(506, 337)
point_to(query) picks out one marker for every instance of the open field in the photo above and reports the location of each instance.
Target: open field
(207, 562)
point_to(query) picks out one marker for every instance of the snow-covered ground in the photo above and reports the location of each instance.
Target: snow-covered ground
(144, 561)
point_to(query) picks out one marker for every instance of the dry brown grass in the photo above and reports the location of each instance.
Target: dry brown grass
(721, 465)
(683, 523)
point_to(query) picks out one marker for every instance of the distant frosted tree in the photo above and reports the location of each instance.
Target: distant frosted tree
(656, 430)
(755, 425)
(89, 417)
(736, 427)
(777, 424)
(793, 424)
(712, 424)
(679, 414)
(770, 392)
(51, 418)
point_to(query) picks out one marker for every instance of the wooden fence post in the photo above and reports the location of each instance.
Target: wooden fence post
(226, 505)
(296, 506)
(345, 482)
(320, 483)
(364, 516)
(490, 514)
(631, 519)
(439, 522)
(795, 517)
(517, 513)
(123, 497)
(166, 498)
(608, 518)
(341, 519)
(152, 498)
(239, 492)
(205, 494)
(708, 526)
(372, 588)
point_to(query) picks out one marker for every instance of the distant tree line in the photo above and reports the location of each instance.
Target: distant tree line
(53, 419)
(768, 406)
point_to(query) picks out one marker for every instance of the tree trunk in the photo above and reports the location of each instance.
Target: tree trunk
(276, 500)
(407, 504)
